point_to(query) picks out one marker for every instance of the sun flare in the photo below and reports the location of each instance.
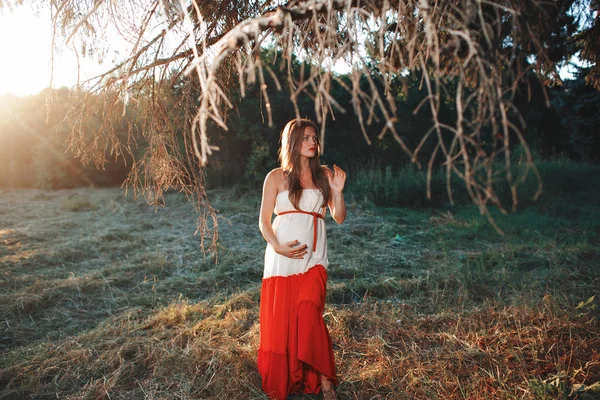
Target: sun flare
(25, 54)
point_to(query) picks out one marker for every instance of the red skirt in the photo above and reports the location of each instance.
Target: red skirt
(295, 347)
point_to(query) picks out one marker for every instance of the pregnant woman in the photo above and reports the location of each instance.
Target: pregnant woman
(295, 353)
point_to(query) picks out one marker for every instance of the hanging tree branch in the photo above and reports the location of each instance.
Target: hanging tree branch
(472, 52)
(479, 75)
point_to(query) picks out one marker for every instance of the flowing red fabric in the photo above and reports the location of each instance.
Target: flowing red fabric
(295, 346)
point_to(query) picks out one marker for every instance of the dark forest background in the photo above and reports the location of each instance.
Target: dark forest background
(34, 139)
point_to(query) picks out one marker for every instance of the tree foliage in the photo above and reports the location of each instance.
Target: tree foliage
(34, 154)
(189, 61)
(577, 107)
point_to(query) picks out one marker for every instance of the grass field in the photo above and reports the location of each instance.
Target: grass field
(105, 298)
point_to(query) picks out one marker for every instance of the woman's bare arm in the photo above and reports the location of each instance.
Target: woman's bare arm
(337, 205)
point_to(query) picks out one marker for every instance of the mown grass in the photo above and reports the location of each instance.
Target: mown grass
(114, 300)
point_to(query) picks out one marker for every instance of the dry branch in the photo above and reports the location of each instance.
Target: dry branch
(472, 51)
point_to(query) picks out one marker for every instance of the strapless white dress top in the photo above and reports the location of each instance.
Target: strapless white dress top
(296, 226)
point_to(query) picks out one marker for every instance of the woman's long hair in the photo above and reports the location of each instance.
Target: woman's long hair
(289, 157)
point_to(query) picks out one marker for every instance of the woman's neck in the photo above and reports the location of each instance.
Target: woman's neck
(304, 166)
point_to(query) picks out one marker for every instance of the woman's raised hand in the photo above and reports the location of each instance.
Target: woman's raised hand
(291, 249)
(337, 179)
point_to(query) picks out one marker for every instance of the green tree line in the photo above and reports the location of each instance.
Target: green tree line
(34, 133)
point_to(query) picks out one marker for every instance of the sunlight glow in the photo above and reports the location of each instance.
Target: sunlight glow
(25, 53)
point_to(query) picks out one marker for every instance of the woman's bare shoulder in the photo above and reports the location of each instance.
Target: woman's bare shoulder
(275, 179)
(275, 175)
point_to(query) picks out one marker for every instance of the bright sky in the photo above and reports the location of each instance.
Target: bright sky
(25, 52)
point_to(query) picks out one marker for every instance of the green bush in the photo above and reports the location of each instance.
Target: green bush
(564, 182)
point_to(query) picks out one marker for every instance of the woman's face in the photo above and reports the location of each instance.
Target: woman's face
(310, 143)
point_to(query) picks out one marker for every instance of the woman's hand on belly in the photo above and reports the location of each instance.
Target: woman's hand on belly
(291, 249)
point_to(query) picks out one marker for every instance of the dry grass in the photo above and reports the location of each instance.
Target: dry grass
(496, 352)
(117, 302)
(207, 350)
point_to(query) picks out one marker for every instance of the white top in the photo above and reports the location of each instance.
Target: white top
(299, 227)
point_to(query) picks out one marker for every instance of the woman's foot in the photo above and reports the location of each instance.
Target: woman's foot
(327, 389)
(329, 394)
